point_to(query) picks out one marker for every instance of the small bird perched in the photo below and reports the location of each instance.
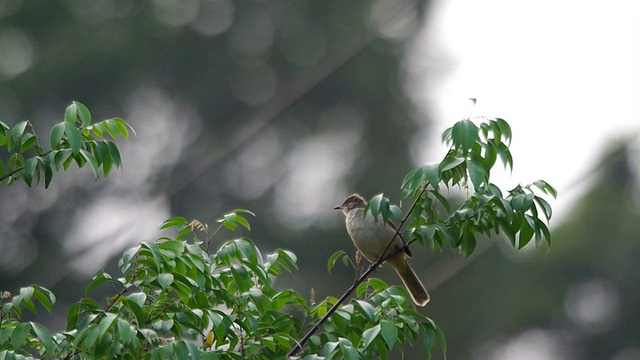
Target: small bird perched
(371, 237)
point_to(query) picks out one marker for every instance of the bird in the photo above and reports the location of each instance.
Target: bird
(372, 237)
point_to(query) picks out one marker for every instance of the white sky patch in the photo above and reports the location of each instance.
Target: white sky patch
(564, 74)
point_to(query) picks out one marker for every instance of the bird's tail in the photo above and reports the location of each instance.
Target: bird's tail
(411, 281)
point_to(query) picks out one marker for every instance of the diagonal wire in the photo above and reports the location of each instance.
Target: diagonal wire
(286, 96)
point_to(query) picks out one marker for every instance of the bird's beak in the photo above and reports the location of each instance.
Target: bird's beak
(337, 208)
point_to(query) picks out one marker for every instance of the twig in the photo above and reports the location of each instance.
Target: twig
(361, 279)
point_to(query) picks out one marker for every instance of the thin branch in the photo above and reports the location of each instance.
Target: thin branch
(360, 280)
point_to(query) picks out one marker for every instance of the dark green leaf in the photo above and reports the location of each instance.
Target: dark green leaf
(450, 162)
(61, 157)
(389, 333)
(45, 338)
(432, 174)
(505, 155)
(477, 173)
(29, 170)
(115, 154)
(27, 141)
(546, 188)
(526, 233)
(91, 161)
(16, 135)
(505, 129)
(544, 205)
(412, 182)
(73, 314)
(468, 244)
(73, 137)
(48, 172)
(464, 134)
(340, 254)
(45, 296)
(99, 278)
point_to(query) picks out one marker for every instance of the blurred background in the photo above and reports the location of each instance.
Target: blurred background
(285, 107)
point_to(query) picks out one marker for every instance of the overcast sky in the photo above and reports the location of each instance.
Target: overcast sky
(565, 75)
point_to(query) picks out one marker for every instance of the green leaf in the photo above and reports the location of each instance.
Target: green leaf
(83, 113)
(367, 309)
(464, 134)
(105, 323)
(544, 206)
(124, 128)
(375, 204)
(427, 232)
(73, 137)
(411, 181)
(165, 280)
(91, 160)
(389, 333)
(369, 335)
(546, 188)
(29, 170)
(112, 127)
(45, 338)
(340, 254)
(61, 157)
(125, 333)
(432, 174)
(71, 114)
(45, 296)
(468, 244)
(505, 155)
(505, 129)
(396, 212)
(27, 141)
(526, 233)
(16, 135)
(73, 314)
(450, 162)
(115, 154)
(98, 278)
(477, 173)
(174, 222)
(242, 221)
(19, 335)
(48, 172)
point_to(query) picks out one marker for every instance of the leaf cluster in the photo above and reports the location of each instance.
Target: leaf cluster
(175, 299)
(521, 213)
(74, 140)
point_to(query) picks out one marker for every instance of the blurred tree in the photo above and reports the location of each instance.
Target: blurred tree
(264, 105)
(576, 301)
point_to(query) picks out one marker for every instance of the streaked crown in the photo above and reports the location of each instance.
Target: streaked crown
(353, 201)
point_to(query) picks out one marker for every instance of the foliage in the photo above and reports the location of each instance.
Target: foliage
(74, 139)
(175, 299)
(473, 152)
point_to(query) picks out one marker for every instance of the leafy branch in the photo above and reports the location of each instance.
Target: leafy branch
(75, 139)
